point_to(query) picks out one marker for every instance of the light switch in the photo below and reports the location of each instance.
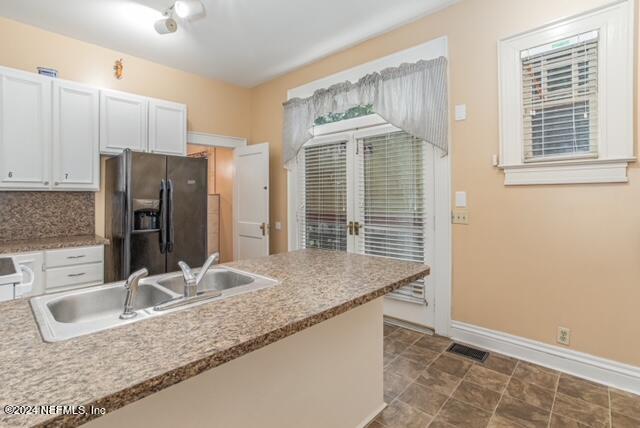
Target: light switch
(278, 225)
(461, 199)
(461, 112)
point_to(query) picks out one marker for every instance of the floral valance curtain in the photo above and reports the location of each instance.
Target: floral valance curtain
(412, 97)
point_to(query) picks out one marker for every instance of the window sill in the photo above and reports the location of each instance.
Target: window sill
(567, 172)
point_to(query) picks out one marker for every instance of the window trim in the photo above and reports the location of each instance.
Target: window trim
(615, 24)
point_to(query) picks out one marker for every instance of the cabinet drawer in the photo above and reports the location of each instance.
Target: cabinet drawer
(73, 256)
(74, 275)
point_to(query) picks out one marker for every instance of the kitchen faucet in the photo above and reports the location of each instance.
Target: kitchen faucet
(131, 284)
(192, 281)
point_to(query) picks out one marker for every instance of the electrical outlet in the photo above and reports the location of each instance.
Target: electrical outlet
(460, 217)
(564, 335)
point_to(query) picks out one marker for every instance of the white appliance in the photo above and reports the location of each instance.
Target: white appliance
(15, 280)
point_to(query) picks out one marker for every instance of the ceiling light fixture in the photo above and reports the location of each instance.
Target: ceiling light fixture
(183, 9)
(188, 8)
(166, 25)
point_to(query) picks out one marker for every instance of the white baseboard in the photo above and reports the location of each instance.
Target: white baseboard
(597, 369)
(408, 325)
(372, 416)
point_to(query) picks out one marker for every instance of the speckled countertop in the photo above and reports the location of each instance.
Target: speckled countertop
(26, 245)
(115, 367)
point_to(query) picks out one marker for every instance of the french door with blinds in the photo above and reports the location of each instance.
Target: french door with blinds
(370, 191)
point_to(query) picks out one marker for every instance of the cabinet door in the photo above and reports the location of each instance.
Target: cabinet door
(76, 152)
(167, 127)
(123, 122)
(25, 130)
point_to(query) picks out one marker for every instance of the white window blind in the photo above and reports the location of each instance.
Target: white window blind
(322, 218)
(560, 99)
(391, 205)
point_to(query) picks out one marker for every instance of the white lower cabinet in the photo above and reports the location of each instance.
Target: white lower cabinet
(64, 269)
(74, 256)
(6, 292)
(69, 276)
(73, 267)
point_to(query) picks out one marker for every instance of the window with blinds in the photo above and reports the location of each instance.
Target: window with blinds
(323, 216)
(560, 98)
(391, 206)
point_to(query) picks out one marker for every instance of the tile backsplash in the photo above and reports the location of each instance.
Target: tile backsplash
(36, 215)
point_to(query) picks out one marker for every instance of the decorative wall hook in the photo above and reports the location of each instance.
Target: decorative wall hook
(118, 68)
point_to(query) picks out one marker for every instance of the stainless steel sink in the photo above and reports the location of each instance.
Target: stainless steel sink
(218, 283)
(216, 279)
(69, 314)
(62, 316)
(102, 303)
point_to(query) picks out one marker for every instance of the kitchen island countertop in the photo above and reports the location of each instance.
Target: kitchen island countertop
(113, 368)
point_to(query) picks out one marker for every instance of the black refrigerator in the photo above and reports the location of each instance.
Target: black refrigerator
(155, 213)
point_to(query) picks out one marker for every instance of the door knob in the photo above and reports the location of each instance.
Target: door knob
(356, 228)
(263, 228)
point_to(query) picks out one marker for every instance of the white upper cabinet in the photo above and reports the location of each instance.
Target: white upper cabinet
(25, 130)
(76, 156)
(123, 122)
(167, 127)
(53, 131)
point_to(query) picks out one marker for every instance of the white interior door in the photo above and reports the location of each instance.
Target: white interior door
(251, 201)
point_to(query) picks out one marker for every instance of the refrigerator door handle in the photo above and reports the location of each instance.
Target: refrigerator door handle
(163, 216)
(170, 241)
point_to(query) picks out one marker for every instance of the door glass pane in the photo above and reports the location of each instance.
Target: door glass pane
(392, 201)
(324, 216)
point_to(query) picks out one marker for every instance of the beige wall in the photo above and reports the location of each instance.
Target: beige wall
(532, 258)
(213, 106)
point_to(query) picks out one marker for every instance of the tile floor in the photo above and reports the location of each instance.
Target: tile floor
(427, 387)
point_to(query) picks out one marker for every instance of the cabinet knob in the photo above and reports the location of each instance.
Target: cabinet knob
(46, 183)
(55, 183)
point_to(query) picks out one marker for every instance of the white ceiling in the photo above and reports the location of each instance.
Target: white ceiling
(245, 42)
